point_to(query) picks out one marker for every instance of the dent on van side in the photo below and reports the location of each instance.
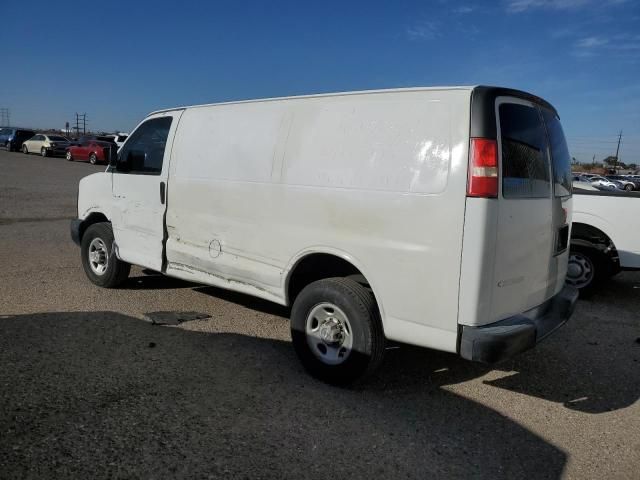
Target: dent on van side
(430, 216)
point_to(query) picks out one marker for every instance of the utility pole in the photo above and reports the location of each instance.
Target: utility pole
(615, 165)
(81, 120)
(4, 117)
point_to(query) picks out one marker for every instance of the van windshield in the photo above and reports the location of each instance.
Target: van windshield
(559, 154)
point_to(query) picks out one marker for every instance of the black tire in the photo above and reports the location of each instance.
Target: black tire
(8, 146)
(93, 159)
(69, 157)
(25, 150)
(116, 271)
(368, 340)
(628, 188)
(585, 259)
(43, 152)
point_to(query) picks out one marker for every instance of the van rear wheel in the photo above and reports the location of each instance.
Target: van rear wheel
(336, 331)
(99, 260)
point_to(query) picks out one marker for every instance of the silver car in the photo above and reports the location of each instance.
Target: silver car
(46, 145)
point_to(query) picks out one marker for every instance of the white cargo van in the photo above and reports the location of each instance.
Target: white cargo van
(437, 217)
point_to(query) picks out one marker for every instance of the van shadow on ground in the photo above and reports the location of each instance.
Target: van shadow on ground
(589, 365)
(97, 394)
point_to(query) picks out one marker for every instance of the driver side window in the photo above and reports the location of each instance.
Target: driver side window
(144, 151)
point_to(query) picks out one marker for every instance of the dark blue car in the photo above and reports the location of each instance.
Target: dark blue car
(12, 138)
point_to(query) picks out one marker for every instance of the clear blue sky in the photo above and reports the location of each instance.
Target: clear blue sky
(120, 60)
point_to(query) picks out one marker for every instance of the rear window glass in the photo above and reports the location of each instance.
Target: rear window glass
(57, 139)
(525, 163)
(560, 157)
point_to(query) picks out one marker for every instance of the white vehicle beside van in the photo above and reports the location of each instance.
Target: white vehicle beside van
(604, 240)
(118, 138)
(437, 217)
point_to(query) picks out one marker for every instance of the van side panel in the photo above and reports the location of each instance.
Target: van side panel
(219, 196)
(377, 178)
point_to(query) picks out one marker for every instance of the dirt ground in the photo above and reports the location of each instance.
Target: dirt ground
(90, 388)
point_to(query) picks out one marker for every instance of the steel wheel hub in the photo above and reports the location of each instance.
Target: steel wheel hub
(98, 256)
(329, 334)
(580, 270)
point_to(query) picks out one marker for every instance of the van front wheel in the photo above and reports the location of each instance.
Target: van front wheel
(98, 258)
(336, 330)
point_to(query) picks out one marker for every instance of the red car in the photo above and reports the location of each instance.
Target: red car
(91, 148)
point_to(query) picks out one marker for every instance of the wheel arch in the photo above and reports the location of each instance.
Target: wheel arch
(91, 219)
(318, 263)
(585, 234)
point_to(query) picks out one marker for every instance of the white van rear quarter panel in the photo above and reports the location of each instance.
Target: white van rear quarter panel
(380, 178)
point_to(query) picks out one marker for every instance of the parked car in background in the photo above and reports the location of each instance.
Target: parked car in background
(12, 138)
(600, 182)
(622, 182)
(603, 243)
(635, 179)
(94, 149)
(119, 138)
(46, 145)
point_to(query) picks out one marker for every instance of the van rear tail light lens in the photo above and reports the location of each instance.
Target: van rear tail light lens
(483, 168)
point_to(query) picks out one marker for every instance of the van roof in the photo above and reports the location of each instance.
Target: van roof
(485, 91)
(318, 95)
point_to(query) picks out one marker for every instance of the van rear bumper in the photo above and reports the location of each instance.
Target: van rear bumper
(502, 340)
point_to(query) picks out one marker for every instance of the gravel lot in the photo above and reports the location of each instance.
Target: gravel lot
(90, 388)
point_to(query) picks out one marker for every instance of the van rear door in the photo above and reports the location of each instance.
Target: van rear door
(532, 231)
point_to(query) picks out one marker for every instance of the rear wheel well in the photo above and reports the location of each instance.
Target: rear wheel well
(591, 234)
(95, 217)
(318, 266)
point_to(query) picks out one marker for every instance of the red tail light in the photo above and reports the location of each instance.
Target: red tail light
(483, 168)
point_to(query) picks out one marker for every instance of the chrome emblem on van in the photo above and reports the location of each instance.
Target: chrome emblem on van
(510, 281)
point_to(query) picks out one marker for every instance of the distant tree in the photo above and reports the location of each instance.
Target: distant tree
(632, 166)
(610, 160)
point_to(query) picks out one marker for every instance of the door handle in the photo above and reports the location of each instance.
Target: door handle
(163, 188)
